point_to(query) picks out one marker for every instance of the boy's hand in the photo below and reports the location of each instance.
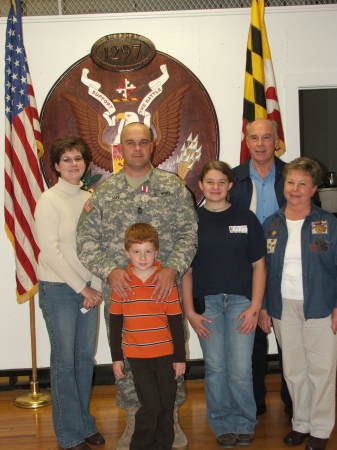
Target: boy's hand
(179, 369)
(118, 367)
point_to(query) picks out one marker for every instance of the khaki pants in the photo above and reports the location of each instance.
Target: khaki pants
(309, 350)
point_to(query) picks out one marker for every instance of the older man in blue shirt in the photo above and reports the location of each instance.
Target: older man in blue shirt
(258, 186)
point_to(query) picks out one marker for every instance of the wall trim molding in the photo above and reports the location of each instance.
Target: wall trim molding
(20, 378)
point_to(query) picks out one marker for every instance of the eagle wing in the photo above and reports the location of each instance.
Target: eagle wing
(91, 126)
(166, 121)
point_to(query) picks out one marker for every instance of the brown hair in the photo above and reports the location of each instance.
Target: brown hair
(217, 165)
(307, 165)
(63, 145)
(139, 233)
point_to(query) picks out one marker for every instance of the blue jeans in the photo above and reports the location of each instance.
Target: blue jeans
(228, 363)
(73, 341)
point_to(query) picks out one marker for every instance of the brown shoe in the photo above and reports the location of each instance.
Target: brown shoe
(315, 443)
(295, 438)
(95, 439)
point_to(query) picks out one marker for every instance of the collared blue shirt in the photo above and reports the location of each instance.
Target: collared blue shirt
(266, 202)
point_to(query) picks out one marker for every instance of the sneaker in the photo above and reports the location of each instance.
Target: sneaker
(228, 440)
(245, 439)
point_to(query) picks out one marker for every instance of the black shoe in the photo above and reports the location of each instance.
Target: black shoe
(261, 409)
(81, 446)
(95, 439)
(295, 438)
(315, 443)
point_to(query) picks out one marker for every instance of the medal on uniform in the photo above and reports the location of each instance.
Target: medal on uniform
(145, 191)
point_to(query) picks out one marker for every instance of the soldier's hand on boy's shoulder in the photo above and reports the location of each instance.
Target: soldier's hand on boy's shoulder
(119, 282)
(179, 368)
(164, 282)
(118, 369)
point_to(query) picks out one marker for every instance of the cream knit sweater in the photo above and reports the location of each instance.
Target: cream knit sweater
(56, 216)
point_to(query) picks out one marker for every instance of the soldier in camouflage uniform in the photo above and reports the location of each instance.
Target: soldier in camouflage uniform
(138, 193)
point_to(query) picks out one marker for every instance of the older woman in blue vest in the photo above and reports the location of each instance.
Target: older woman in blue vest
(301, 299)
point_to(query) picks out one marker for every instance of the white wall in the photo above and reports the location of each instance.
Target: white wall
(212, 44)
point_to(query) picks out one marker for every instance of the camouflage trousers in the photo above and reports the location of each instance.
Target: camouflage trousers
(126, 393)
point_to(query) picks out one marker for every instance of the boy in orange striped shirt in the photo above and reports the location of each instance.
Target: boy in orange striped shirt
(150, 334)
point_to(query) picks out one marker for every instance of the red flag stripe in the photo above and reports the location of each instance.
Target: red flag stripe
(9, 221)
(20, 179)
(21, 220)
(25, 134)
(25, 262)
(20, 289)
(14, 150)
(23, 179)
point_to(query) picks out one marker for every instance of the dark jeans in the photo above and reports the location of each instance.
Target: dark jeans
(156, 389)
(259, 363)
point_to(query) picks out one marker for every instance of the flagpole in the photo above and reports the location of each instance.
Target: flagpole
(23, 180)
(34, 399)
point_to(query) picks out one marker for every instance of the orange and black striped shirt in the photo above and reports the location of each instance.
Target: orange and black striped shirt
(145, 327)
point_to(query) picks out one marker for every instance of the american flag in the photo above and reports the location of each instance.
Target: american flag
(23, 146)
(260, 94)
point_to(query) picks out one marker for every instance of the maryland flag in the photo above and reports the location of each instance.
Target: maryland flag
(260, 95)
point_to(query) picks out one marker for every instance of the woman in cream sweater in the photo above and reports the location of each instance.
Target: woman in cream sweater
(67, 297)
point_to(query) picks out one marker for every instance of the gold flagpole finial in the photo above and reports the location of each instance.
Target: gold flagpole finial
(14, 5)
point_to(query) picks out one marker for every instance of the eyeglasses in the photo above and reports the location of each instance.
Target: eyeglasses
(76, 159)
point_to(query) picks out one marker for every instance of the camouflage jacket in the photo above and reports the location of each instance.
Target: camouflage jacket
(162, 200)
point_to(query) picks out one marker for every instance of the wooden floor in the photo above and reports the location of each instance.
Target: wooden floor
(26, 429)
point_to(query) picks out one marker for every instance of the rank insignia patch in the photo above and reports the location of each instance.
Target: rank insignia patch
(271, 245)
(319, 227)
